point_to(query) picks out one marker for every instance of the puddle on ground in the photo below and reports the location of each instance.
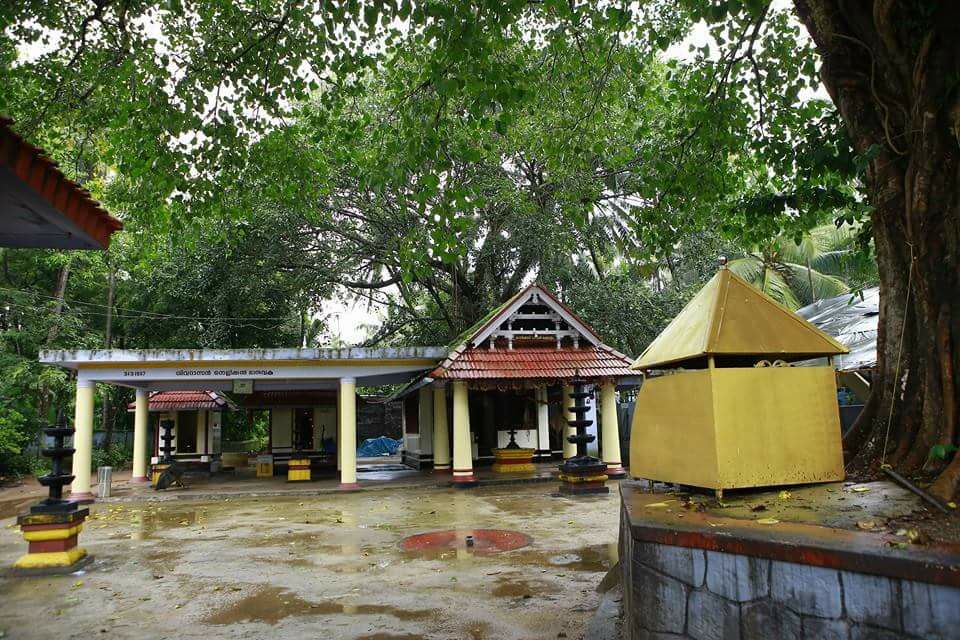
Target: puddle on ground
(524, 506)
(272, 604)
(597, 557)
(518, 586)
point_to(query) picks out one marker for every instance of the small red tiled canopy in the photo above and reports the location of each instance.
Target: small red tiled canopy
(41, 207)
(186, 401)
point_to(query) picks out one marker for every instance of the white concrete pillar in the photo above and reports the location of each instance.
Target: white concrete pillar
(339, 421)
(348, 433)
(610, 431)
(569, 448)
(82, 442)
(543, 424)
(141, 418)
(462, 442)
(441, 439)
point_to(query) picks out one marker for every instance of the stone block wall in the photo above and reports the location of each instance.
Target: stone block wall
(682, 592)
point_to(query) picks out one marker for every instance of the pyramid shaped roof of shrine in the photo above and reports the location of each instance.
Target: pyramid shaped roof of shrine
(728, 316)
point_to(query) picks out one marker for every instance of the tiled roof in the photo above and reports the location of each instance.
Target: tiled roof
(40, 173)
(289, 398)
(540, 362)
(186, 401)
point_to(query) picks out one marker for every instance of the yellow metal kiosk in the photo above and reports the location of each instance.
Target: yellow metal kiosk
(721, 405)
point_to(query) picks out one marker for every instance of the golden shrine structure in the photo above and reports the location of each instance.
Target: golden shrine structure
(723, 405)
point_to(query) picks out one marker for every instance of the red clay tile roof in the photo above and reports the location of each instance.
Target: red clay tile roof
(541, 362)
(185, 401)
(289, 398)
(41, 174)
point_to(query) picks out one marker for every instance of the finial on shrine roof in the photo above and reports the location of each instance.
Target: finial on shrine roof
(723, 262)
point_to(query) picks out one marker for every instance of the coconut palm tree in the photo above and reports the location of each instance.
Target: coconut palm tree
(824, 264)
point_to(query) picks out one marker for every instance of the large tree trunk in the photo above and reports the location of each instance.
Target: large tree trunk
(891, 68)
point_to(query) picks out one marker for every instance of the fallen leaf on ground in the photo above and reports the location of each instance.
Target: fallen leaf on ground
(768, 521)
(866, 525)
(657, 504)
(784, 495)
(859, 489)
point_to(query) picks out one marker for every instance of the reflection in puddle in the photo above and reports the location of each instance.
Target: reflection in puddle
(272, 604)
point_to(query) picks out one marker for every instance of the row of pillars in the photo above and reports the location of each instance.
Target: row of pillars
(462, 461)
(462, 440)
(83, 437)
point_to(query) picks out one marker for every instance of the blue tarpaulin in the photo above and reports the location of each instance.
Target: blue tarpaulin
(382, 446)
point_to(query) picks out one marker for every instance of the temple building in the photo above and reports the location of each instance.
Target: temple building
(196, 419)
(507, 377)
(504, 380)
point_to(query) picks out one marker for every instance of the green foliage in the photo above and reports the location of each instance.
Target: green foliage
(427, 158)
(825, 263)
(943, 451)
(627, 312)
(13, 426)
(118, 457)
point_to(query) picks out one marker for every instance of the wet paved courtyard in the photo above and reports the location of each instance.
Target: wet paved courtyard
(328, 566)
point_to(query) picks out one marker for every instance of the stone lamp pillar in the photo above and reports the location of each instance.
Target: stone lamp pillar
(581, 474)
(166, 449)
(52, 525)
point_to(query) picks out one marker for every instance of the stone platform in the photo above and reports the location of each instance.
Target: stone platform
(690, 573)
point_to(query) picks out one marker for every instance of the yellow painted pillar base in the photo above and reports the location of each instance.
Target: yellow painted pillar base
(52, 539)
(298, 470)
(155, 472)
(513, 460)
(265, 466)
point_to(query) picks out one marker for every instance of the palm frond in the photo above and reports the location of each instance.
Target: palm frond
(777, 287)
(811, 285)
(748, 267)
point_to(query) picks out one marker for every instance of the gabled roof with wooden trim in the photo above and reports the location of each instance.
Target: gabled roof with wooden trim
(40, 206)
(531, 336)
(728, 316)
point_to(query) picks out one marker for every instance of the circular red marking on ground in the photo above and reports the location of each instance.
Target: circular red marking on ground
(484, 540)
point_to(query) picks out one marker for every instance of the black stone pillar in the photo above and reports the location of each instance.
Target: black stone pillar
(582, 474)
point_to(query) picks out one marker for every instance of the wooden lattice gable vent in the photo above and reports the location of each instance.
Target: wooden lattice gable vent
(534, 314)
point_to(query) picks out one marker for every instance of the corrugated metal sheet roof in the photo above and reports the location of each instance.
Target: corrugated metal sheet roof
(186, 401)
(852, 320)
(731, 317)
(540, 362)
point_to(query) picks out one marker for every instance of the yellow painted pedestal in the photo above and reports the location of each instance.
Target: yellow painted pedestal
(513, 460)
(156, 471)
(265, 466)
(298, 470)
(52, 539)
